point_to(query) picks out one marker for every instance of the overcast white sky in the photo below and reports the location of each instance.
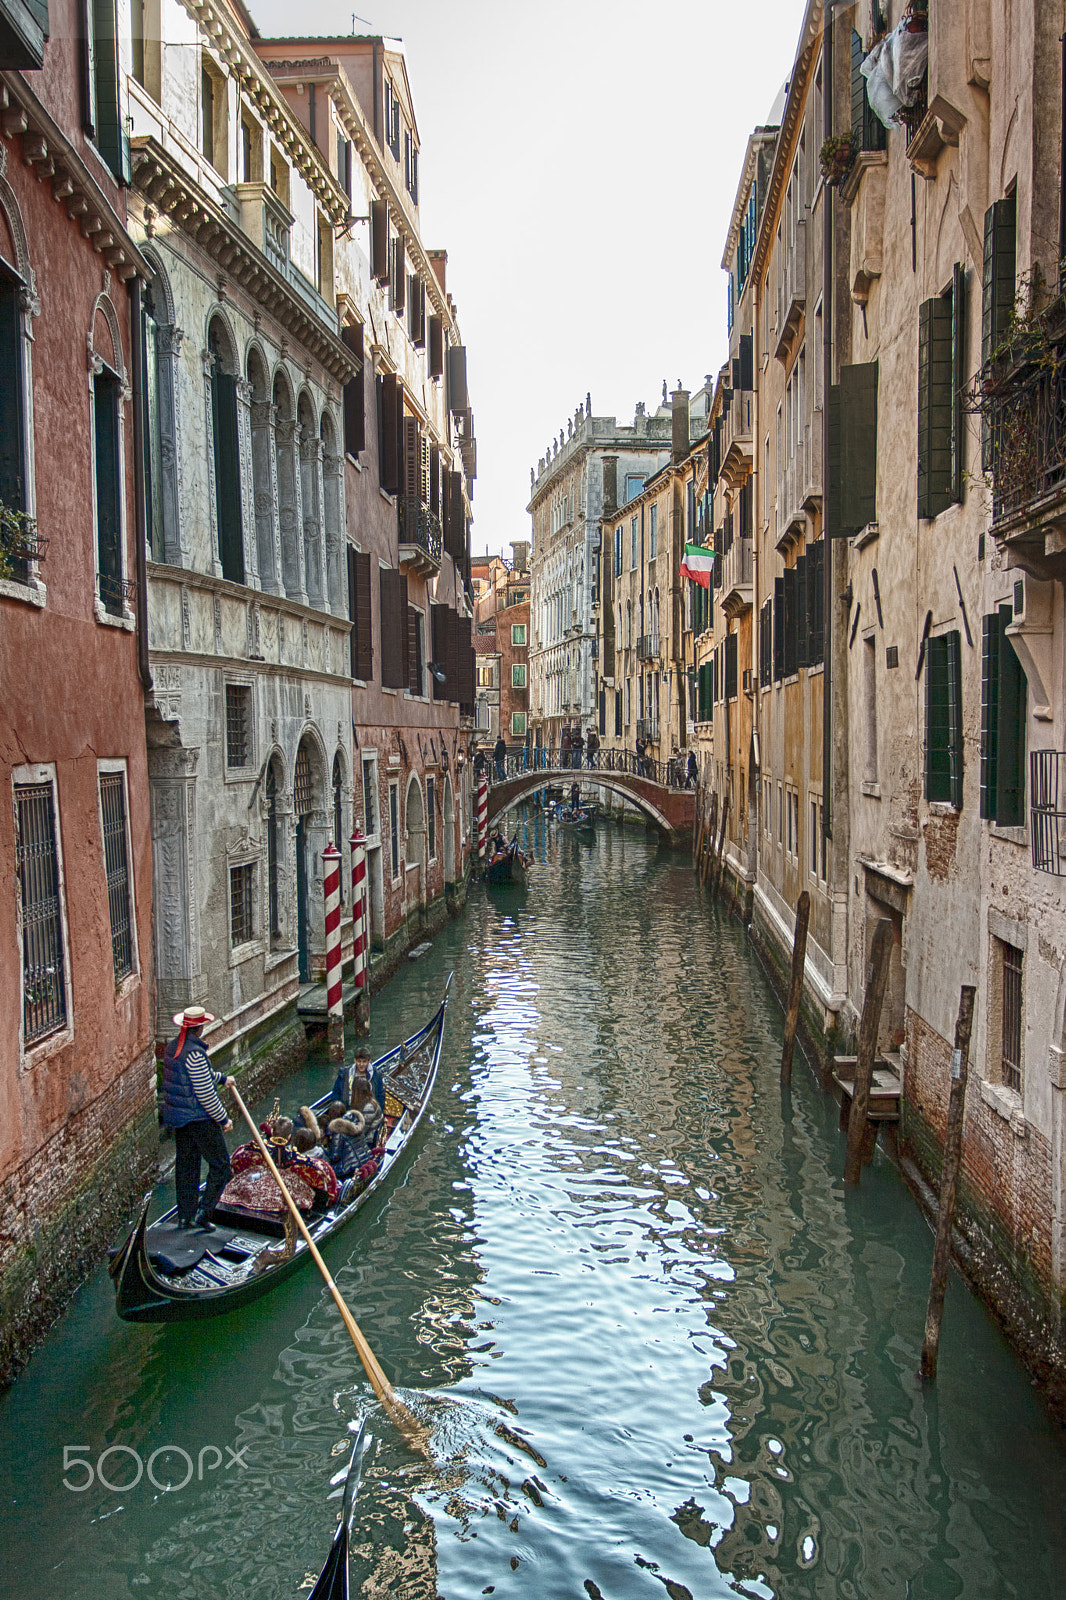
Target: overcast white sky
(579, 160)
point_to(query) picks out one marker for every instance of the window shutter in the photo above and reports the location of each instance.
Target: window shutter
(989, 712)
(399, 275)
(88, 66)
(789, 580)
(363, 621)
(998, 287)
(227, 475)
(1010, 729)
(458, 395)
(958, 371)
(954, 676)
(414, 652)
(11, 420)
(765, 642)
(379, 239)
(455, 525)
(802, 619)
(440, 617)
(934, 406)
(436, 347)
(731, 666)
(354, 405)
(108, 480)
(434, 480)
(816, 603)
(390, 424)
(412, 458)
(858, 418)
(420, 331)
(394, 625)
(779, 628)
(353, 592)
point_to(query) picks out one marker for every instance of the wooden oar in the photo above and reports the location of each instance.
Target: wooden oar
(400, 1413)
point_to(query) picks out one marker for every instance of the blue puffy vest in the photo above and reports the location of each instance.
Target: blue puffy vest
(180, 1105)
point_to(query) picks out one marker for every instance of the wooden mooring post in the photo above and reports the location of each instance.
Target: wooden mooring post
(708, 840)
(716, 870)
(876, 983)
(795, 988)
(949, 1177)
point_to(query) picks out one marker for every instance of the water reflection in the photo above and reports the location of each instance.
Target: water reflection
(657, 1347)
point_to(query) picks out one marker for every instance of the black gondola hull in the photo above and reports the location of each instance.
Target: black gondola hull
(142, 1294)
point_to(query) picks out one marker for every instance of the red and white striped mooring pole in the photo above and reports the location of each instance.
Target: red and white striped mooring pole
(331, 871)
(482, 817)
(360, 946)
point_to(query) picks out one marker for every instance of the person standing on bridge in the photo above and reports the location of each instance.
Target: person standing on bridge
(565, 748)
(578, 746)
(499, 757)
(592, 745)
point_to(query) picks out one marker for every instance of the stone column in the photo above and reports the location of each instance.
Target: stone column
(265, 496)
(249, 542)
(168, 347)
(336, 569)
(311, 487)
(290, 514)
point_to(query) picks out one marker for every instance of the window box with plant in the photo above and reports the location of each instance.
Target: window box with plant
(20, 543)
(836, 157)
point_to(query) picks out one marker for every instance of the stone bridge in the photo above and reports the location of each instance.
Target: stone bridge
(669, 809)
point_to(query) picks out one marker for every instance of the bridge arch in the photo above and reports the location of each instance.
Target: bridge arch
(668, 810)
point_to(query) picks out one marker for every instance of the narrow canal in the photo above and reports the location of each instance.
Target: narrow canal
(658, 1346)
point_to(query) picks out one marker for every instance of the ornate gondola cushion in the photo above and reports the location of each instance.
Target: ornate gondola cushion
(255, 1189)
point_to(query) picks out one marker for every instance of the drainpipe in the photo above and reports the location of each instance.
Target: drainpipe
(140, 520)
(827, 378)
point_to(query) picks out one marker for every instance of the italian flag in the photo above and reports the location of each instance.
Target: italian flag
(698, 563)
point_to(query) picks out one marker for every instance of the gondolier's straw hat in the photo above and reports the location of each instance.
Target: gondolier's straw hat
(191, 1017)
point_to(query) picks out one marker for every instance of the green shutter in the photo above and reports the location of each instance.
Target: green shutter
(789, 586)
(989, 713)
(958, 377)
(998, 288)
(802, 624)
(934, 405)
(779, 628)
(1010, 730)
(11, 423)
(816, 603)
(955, 757)
(112, 137)
(858, 416)
(937, 720)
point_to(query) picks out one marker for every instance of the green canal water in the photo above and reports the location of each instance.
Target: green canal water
(659, 1349)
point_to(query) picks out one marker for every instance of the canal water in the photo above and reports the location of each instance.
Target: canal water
(658, 1348)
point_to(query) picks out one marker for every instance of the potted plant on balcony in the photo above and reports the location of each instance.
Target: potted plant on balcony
(836, 158)
(18, 540)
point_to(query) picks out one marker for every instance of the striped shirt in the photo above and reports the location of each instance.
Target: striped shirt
(206, 1082)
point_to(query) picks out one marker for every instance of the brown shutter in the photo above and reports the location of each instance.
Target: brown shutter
(420, 335)
(379, 239)
(364, 651)
(393, 594)
(458, 394)
(436, 347)
(434, 479)
(399, 277)
(390, 423)
(354, 404)
(412, 457)
(414, 653)
(441, 629)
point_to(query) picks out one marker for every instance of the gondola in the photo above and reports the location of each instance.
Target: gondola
(162, 1274)
(578, 819)
(510, 867)
(333, 1579)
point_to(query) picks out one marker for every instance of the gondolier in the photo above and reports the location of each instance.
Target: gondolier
(191, 1108)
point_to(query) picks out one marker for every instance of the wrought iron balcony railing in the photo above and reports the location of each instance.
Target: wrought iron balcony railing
(1027, 418)
(420, 528)
(648, 647)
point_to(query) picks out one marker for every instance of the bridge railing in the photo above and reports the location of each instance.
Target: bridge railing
(521, 760)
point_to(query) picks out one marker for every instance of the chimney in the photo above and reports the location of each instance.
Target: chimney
(438, 260)
(610, 485)
(520, 548)
(679, 408)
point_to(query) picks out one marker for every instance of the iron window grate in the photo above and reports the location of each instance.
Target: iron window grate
(44, 993)
(238, 725)
(116, 866)
(241, 899)
(303, 798)
(1047, 811)
(1011, 1047)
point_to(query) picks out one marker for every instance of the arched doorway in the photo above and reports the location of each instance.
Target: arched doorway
(303, 795)
(415, 823)
(449, 832)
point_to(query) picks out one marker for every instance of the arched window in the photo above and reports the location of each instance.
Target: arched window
(262, 477)
(338, 813)
(310, 450)
(288, 492)
(226, 452)
(108, 381)
(12, 418)
(629, 624)
(153, 428)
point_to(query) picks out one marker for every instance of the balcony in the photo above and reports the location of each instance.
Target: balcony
(791, 292)
(1026, 411)
(737, 438)
(791, 517)
(737, 577)
(420, 536)
(648, 647)
(266, 221)
(648, 729)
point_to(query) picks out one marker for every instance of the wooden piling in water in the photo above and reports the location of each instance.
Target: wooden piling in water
(948, 1181)
(708, 840)
(717, 871)
(876, 983)
(795, 988)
